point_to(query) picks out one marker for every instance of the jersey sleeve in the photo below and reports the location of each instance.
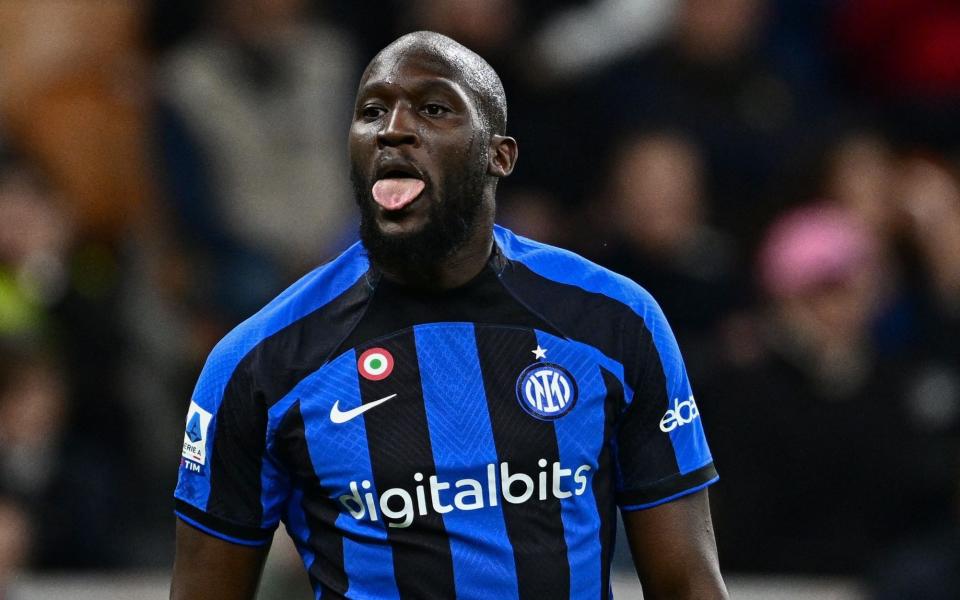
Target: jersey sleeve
(228, 485)
(660, 449)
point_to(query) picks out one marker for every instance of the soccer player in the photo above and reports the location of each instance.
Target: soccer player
(446, 410)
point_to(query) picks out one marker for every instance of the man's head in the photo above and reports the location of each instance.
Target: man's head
(427, 146)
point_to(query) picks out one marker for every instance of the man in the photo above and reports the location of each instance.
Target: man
(446, 410)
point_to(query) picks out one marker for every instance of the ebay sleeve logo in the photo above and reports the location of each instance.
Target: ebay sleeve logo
(681, 414)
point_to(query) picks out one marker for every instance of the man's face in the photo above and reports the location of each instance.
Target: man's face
(419, 159)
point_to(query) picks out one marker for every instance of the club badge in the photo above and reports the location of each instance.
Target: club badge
(546, 391)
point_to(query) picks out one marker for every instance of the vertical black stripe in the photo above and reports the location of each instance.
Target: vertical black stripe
(535, 527)
(236, 458)
(400, 447)
(321, 511)
(644, 453)
(598, 320)
(603, 480)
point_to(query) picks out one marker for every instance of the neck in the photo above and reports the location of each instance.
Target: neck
(455, 270)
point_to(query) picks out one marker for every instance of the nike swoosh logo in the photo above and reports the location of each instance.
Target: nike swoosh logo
(342, 416)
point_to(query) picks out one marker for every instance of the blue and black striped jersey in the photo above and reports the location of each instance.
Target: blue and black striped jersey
(472, 443)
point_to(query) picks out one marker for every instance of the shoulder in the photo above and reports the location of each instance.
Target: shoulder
(318, 289)
(570, 269)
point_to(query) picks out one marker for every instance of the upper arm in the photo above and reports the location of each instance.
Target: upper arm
(208, 567)
(230, 491)
(674, 550)
(229, 484)
(660, 450)
(662, 466)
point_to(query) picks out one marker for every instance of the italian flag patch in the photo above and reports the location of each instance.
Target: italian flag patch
(375, 364)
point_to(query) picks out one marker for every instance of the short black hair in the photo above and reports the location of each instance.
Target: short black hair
(481, 79)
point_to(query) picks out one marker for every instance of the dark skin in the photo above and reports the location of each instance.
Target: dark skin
(208, 567)
(414, 109)
(410, 112)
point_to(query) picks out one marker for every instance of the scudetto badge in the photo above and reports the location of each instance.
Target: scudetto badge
(375, 364)
(546, 391)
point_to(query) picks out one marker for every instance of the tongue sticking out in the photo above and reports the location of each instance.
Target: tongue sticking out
(394, 194)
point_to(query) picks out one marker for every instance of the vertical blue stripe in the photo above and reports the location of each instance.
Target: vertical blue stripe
(340, 455)
(689, 441)
(274, 489)
(580, 440)
(463, 446)
(274, 481)
(305, 296)
(562, 266)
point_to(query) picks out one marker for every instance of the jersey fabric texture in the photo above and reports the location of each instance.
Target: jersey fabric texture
(472, 443)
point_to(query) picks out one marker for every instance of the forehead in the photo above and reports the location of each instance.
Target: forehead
(412, 65)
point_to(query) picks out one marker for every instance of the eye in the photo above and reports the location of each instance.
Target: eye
(435, 110)
(371, 112)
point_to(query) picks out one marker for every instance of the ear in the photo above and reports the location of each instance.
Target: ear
(503, 155)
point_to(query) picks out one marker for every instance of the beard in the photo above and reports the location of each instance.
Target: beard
(451, 219)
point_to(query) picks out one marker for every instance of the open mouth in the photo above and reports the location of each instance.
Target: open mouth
(397, 187)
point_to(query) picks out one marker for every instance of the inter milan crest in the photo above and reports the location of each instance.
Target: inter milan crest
(375, 364)
(546, 391)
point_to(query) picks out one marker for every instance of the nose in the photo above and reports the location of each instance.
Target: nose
(399, 129)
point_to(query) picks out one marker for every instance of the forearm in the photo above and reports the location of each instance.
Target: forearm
(210, 568)
(674, 550)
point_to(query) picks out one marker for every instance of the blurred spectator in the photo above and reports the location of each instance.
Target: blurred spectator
(559, 41)
(73, 100)
(73, 105)
(911, 204)
(534, 213)
(860, 178)
(929, 197)
(488, 27)
(32, 415)
(711, 78)
(34, 243)
(581, 38)
(61, 477)
(52, 298)
(15, 541)
(659, 236)
(832, 451)
(254, 110)
(905, 56)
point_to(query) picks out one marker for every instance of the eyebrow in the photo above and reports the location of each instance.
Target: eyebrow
(419, 85)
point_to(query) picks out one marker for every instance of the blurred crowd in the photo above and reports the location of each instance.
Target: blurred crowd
(782, 175)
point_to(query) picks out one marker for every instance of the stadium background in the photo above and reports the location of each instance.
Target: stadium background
(781, 174)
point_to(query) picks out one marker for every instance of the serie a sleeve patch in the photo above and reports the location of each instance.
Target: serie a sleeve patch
(195, 438)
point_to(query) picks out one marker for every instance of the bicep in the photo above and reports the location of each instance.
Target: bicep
(208, 567)
(674, 550)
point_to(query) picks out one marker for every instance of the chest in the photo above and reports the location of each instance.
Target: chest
(458, 405)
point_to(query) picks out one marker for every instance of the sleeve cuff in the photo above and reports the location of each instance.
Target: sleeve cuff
(221, 528)
(669, 489)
